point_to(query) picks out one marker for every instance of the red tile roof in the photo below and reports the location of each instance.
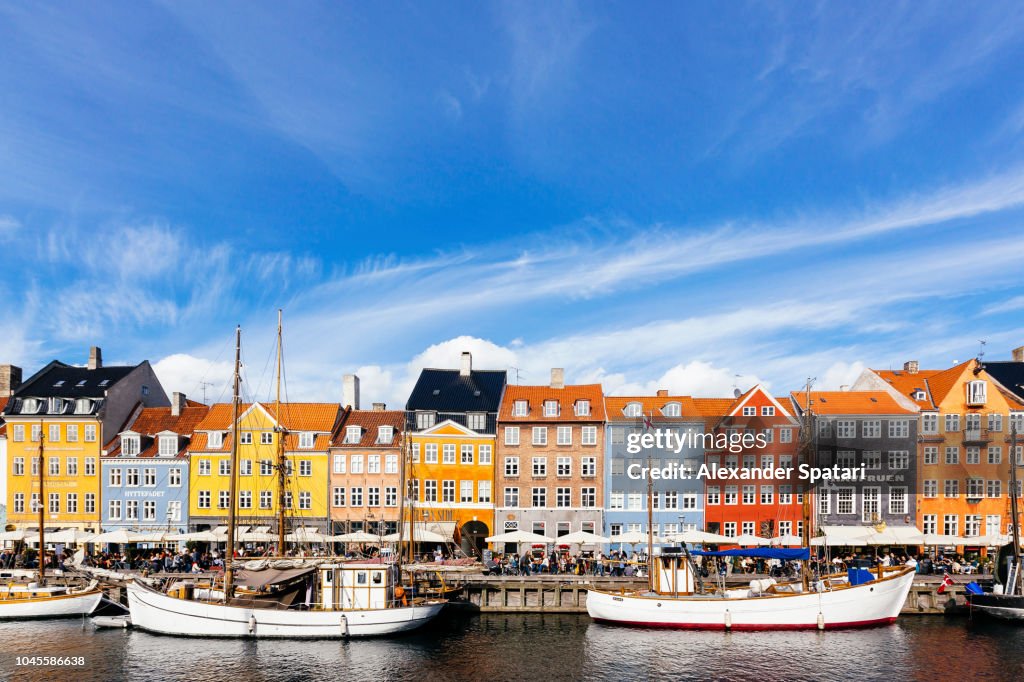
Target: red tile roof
(652, 404)
(908, 384)
(154, 420)
(566, 397)
(320, 417)
(850, 402)
(369, 421)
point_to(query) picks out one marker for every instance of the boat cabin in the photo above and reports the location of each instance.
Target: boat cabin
(354, 586)
(673, 573)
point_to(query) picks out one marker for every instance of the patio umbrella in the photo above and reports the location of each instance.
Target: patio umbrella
(420, 535)
(787, 541)
(304, 535)
(14, 535)
(934, 540)
(521, 536)
(582, 537)
(751, 540)
(202, 536)
(635, 537)
(358, 536)
(701, 537)
(117, 537)
(896, 535)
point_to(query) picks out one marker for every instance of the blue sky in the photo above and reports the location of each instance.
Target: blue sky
(692, 196)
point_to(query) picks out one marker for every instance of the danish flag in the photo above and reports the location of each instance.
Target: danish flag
(946, 582)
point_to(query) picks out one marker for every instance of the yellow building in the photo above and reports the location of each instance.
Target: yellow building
(306, 428)
(68, 412)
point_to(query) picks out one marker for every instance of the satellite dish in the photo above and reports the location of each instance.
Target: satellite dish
(736, 393)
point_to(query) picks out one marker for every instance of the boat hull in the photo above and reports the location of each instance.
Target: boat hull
(1002, 606)
(871, 604)
(159, 613)
(60, 606)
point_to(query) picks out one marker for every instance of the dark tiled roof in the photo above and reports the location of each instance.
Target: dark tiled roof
(1010, 376)
(58, 380)
(446, 390)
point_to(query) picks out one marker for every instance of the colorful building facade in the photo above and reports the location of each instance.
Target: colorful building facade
(550, 463)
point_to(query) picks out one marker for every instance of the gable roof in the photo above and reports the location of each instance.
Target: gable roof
(60, 380)
(850, 402)
(908, 383)
(566, 397)
(370, 421)
(448, 390)
(155, 420)
(744, 398)
(320, 417)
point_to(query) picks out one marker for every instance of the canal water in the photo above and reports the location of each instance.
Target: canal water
(534, 648)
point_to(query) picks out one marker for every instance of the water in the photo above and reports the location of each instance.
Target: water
(537, 648)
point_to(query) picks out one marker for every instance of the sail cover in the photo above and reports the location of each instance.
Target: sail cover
(782, 553)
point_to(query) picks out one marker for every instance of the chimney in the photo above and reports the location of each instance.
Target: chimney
(662, 392)
(844, 387)
(95, 357)
(177, 403)
(10, 380)
(1018, 354)
(379, 407)
(557, 377)
(911, 366)
(467, 364)
(350, 391)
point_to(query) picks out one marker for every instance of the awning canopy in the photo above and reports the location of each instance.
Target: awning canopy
(270, 576)
(801, 554)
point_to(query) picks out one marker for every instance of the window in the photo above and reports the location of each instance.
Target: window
(245, 438)
(748, 494)
(634, 501)
(215, 439)
(353, 434)
(1017, 422)
(520, 408)
(447, 491)
(465, 491)
(114, 510)
(928, 523)
(466, 454)
(899, 459)
(539, 497)
(448, 453)
(19, 433)
(224, 499)
(511, 497)
(844, 501)
(931, 488)
(588, 467)
(973, 454)
(975, 488)
(391, 464)
(749, 411)
(391, 496)
(616, 500)
(540, 435)
(872, 459)
(267, 499)
(174, 477)
(54, 436)
(245, 499)
(485, 454)
(994, 488)
(976, 392)
(266, 467)
(131, 477)
(929, 422)
(18, 466)
(767, 494)
(950, 524)
(149, 477)
(588, 435)
(952, 422)
(824, 502)
(477, 421)
(130, 445)
(931, 454)
(550, 408)
(174, 510)
(588, 497)
(846, 428)
(899, 428)
(730, 529)
(483, 489)
(306, 500)
(540, 466)
(633, 410)
(689, 500)
(563, 467)
(846, 459)
(511, 435)
(992, 524)
(90, 466)
(425, 420)
(871, 509)
(617, 435)
(357, 464)
(168, 446)
(563, 497)
(785, 495)
(511, 466)
(672, 409)
(786, 435)
(306, 466)
(72, 436)
(338, 497)
(951, 488)
(267, 438)
(288, 498)
(72, 466)
(245, 467)
(952, 454)
(131, 510)
(995, 454)
(224, 467)
(618, 466)
(731, 494)
(582, 408)
(995, 422)
(53, 466)
(306, 440)
(972, 525)
(564, 435)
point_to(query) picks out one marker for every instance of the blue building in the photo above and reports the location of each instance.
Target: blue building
(144, 469)
(678, 501)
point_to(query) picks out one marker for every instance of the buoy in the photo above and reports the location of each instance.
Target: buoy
(821, 620)
(728, 620)
(252, 624)
(344, 625)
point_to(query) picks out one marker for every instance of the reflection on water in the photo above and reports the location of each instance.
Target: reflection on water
(502, 648)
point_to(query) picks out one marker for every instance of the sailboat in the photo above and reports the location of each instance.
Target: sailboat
(677, 598)
(1009, 604)
(38, 599)
(289, 598)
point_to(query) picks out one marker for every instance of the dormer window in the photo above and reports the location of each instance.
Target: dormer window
(105, 383)
(976, 392)
(80, 383)
(83, 406)
(168, 445)
(633, 410)
(672, 410)
(920, 395)
(582, 408)
(30, 406)
(130, 444)
(59, 383)
(550, 408)
(425, 420)
(520, 408)
(385, 434)
(306, 439)
(215, 439)
(353, 434)
(56, 405)
(476, 421)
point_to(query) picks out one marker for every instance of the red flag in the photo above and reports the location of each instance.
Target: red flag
(946, 582)
(648, 423)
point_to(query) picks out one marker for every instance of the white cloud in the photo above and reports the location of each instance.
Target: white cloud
(1009, 305)
(840, 374)
(9, 227)
(192, 375)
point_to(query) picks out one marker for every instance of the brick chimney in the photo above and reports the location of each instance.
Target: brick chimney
(10, 380)
(557, 377)
(379, 407)
(911, 366)
(178, 403)
(467, 364)
(662, 392)
(350, 391)
(1018, 354)
(95, 357)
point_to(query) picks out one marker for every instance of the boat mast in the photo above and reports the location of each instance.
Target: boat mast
(280, 447)
(805, 533)
(229, 573)
(403, 487)
(650, 516)
(1015, 530)
(42, 547)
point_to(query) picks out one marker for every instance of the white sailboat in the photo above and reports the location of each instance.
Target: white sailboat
(37, 599)
(326, 600)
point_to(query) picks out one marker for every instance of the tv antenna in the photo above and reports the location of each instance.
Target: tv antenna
(203, 385)
(516, 370)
